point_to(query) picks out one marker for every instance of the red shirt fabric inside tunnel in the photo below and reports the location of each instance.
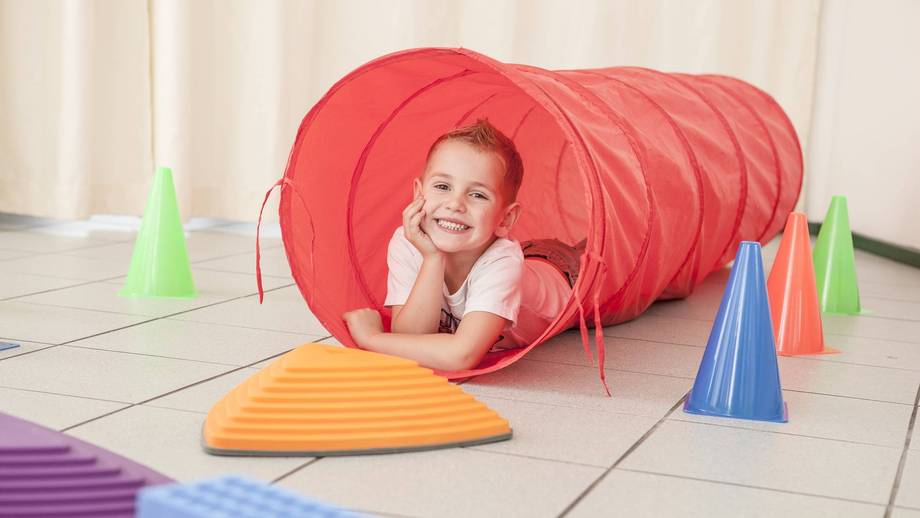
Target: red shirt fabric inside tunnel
(664, 174)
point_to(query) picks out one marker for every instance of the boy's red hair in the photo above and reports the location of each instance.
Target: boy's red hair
(486, 137)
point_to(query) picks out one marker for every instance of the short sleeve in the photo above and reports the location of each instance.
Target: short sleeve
(496, 287)
(403, 265)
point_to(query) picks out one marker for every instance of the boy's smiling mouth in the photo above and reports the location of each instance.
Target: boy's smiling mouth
(451, 226)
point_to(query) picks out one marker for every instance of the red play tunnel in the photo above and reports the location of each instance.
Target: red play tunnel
(663, 173)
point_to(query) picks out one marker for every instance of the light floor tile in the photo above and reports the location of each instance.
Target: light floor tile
(273, 263)
(16, 284)
(27, 241)
(871, 351)
(201, 246)
(663, 329)
(873, 327)
(634, 494)
(105, 375)
(888, 291)
(201, 397)
(769, 460)
(902, 309)
(68, 266)
(213, 287)
(453, 482)
(169, 442)
(626, 354)
(283, 310)
(198, 342)
(24, 347)
(843, 379)
(903, 512)
(909, 489)
(566, 434)
(53, 410)
(579, 387)
(828, 417)
(6, 255)
(874, 268)
(55, 325)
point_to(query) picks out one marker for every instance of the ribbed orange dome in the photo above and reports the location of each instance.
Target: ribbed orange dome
(322, 399)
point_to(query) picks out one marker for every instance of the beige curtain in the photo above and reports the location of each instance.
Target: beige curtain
(94, 93)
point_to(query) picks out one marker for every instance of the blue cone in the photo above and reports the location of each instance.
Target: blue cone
(738, 375)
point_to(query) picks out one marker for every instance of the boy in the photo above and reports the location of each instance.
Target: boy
(457, 284)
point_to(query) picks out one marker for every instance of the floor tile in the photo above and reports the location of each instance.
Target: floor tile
(909, 489)
(579, 387)
(213, 287)
(24, 347)
(769, 460)
(888, 291)
(201, 246)
(53, 410)
(16, 284)
(105, 375)
(828, 417)
(274, 263)
(566, 434)
(663, 329)
(169, 442)
(68, 266)
(871, 351)
(55, 325)
(201, 397)
(457, 482)
(869, 327)
(636, 494)
(902, 309)
(624, 354)
(284, 310)
(28, 241)
(903, 512)
(877, 269)
(6, 255)
(198, 341)
(843, 379)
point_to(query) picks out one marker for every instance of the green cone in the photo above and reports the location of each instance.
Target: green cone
(159, 266)
(835, 268)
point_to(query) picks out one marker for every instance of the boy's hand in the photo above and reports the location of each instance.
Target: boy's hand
(362, 324)
(412, 227)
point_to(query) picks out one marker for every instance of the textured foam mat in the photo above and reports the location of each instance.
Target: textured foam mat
(324, 399)
(47, 473)
(230, 495)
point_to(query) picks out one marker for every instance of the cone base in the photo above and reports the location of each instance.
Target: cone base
(345, 453)
(863, 311)
(781, 419)
(826, 350)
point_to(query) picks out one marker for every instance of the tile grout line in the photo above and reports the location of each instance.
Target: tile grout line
(631, 449)
(141, 403)
(295, 470)
(903, 462)
(762, 488)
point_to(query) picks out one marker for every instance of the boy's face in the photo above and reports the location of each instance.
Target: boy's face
(463, 186)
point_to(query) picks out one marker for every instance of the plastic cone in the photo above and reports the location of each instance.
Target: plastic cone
(159, 266)
(792, 293)
(835, 266)
(739, 376)
(322, 399)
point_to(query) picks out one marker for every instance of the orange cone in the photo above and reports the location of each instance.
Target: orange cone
(793, 294)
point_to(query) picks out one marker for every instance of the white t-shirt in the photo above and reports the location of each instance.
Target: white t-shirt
(527, 293)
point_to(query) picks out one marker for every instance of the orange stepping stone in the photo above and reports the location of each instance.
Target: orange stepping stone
(322, 399)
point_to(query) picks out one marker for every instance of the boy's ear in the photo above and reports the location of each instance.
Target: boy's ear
(512, 213)
(416, 188)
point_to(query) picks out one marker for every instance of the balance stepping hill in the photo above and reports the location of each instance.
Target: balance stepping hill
(322, 399)
(46, 473)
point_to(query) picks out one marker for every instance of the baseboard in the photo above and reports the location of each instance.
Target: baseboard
(897, 253)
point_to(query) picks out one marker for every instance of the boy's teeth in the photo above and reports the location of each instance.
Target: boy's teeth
(451, 226)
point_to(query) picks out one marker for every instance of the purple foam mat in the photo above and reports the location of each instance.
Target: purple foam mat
(44, 472)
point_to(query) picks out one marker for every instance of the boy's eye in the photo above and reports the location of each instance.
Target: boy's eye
(439, 185)
(480, 195)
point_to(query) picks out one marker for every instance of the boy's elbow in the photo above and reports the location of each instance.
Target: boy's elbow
(462, 358)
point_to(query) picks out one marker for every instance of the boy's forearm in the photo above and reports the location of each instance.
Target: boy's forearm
(440, 351)
(422, 311)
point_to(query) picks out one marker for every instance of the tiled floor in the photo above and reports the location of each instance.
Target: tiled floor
(138, 376)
